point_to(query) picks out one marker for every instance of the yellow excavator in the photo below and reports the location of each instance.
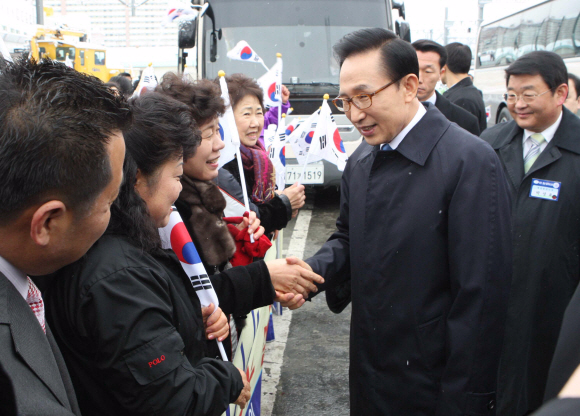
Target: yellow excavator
(81, 55)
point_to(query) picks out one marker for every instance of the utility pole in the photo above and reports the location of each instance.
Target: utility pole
(39, 12)
(446, 24)
(132, 4)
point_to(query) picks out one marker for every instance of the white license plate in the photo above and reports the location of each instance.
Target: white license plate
(313, 174)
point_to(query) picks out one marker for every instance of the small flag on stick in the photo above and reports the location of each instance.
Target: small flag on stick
(176, 237)
(244, 52)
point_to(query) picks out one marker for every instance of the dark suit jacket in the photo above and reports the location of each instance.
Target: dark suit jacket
(32, 359)
(465, 95)
(423, 248)
(546, 266)
(457, 114)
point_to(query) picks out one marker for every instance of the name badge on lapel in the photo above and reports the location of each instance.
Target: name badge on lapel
(544, 189)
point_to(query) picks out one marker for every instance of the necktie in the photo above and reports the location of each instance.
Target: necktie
(386, 148)
(537, 140)
(34, 299)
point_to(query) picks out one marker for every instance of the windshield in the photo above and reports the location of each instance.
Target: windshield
(303, 31)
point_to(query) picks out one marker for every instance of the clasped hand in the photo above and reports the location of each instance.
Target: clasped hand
(293, 280)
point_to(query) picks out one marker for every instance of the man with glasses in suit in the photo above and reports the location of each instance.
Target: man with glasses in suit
(540, 153)
(422, 247)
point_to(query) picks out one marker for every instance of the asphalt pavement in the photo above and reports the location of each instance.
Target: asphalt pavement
(311, 377)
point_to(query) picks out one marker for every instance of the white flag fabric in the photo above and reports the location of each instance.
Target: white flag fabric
(244, 52)
(177, 10)
(175, 236)
(300, 137)
(4, 53)
(327, 142)
(148, 82)
(271, 83)
(228, 129)
(276, 147)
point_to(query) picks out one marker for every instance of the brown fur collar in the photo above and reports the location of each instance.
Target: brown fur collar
(211, 232)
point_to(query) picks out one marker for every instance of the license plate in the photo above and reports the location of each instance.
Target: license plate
(313, 174)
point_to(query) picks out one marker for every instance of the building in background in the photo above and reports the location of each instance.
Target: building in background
(113, 24)
(17, 23)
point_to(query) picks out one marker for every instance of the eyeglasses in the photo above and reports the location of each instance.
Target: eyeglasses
(512, 98)
(360, 101)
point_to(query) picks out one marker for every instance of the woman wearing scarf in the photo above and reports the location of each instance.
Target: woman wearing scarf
(276, 208)
(201, 203)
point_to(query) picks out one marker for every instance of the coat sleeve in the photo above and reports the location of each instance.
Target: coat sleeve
(479, 241)
(243, 288)
(128, 317)
(332, 261)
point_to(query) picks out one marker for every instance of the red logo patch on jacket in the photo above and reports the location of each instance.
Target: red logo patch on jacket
(156, 361)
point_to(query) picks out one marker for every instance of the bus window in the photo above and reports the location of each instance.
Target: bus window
(62, 51)
(82, 55)
(99, 58)
(41, 51)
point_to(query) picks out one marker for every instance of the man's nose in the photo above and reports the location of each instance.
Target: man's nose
(355, 115)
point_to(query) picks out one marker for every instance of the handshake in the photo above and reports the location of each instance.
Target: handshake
(293, 280)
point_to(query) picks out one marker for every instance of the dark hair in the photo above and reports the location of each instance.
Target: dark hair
(203, 97)
(163, 129)
(125, 86)
(576, 82)
(240, 86)
(124, 74)
(398, 57)
(549, 65)
(458, 58)
(55, 125)
(426, 45)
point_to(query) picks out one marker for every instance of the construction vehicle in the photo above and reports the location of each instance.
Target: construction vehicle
(71, 47)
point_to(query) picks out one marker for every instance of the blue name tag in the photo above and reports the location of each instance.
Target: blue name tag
(544, 189)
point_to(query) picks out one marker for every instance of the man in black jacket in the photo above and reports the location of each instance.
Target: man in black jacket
(461, 89)
(61, 159)
(432, 58)
(422, 247)
(540, 154)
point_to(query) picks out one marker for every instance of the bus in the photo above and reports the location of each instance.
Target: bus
(303, 32)
(552, 25)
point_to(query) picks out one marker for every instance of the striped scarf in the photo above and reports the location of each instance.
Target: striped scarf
(256, 162)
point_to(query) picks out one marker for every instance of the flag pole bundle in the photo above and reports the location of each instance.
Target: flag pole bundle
(326, 142)
(176, 237)
(233, 141)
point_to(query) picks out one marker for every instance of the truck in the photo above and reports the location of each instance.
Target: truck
(70, 46)
(303, 32)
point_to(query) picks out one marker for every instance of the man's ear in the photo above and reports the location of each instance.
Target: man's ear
(46, 220)
(561, 93)
(410, 83)
(442, 73)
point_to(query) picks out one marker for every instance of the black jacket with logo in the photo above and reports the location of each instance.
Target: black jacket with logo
(546, 259)
(130, 328)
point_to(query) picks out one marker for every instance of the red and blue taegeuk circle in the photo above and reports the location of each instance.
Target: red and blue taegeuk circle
(246, 53)
(182, 245)
(309, 137)
(338, 141)
(272, 92)
(283, 155)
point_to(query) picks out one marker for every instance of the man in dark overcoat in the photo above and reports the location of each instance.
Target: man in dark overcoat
(422, 246)
(540, 153)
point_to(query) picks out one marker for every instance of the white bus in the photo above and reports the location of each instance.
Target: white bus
(549, 26)
(303, 32)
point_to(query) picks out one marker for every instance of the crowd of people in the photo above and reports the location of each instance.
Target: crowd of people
(460, 255)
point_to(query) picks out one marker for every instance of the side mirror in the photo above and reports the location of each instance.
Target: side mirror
(400, 7)
(403, 30)
(186, 34)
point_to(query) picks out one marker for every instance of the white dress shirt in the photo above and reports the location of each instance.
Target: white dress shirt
(16, 277)
(399, 137)
(548, 135)
(432, 99)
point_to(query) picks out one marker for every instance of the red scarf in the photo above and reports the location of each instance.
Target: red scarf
(256, 162)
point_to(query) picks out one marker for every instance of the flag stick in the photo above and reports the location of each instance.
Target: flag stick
(234, 130)
(278, 239)
(264, 65)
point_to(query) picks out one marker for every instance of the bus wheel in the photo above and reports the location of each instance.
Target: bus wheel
(504, 116)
